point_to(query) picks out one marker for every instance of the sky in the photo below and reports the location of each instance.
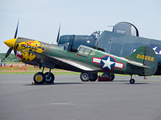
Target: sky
(40, 19)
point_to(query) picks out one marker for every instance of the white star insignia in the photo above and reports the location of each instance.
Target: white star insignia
(107, 63)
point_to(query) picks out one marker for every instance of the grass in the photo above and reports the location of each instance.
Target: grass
(54, 72)
(20, 68)
(32, 73)
(61, 73)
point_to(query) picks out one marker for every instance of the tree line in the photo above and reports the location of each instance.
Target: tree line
(10, 58)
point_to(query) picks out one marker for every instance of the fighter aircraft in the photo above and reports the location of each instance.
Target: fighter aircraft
(87, 60)
(122, 41)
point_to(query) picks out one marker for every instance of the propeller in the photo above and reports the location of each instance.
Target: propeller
(58, 33)
(8, 52)
(10, 48)
(16, 30)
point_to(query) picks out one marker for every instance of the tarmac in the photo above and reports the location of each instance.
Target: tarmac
(70, 99)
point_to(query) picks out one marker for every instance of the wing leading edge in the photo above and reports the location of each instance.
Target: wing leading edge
(63, 63)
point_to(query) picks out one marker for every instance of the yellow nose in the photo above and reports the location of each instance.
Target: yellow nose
(10, 42)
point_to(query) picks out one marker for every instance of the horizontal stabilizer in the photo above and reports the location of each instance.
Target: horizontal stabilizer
(138, 64)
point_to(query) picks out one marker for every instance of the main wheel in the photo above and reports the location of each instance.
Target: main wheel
(85, 77)
(39, 78)
(50, 78)
(111, 75)
(132, 81)
(93, 77)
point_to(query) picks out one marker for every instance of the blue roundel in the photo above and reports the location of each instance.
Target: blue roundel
(107, 63)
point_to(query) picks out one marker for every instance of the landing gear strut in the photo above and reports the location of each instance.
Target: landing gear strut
(88, 76)
(40, 77)
(132, 81)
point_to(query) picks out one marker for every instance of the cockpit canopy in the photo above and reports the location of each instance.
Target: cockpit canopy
(125, 28)
(84, 50)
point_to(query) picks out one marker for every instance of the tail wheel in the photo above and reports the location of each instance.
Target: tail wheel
(50, 78)
(84, 77)
(93, 77)
(132, 81)
(39, 78)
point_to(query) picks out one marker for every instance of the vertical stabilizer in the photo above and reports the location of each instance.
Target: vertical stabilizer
(145, 58)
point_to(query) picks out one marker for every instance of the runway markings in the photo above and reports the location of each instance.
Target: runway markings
(62, 104)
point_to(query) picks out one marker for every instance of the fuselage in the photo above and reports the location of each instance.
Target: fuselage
(86, 59)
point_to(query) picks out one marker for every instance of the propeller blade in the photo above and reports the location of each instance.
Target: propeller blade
(58, 34)
(8, 52)
(97, 44)
(16, 30)
(15, 52)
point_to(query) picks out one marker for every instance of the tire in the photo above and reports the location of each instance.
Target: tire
(111, 75)
(39, 78)
(93, 77)
(84, 77)
(50, 79)
(132, 81)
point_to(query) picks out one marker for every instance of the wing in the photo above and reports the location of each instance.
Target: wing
(67, 64)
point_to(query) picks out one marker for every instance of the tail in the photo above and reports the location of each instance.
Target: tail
(143, 61)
